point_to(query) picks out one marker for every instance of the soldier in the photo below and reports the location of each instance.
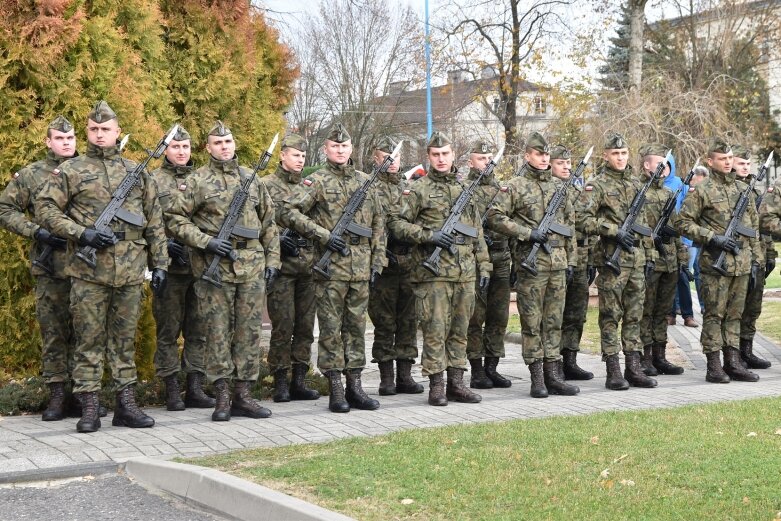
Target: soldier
(485, 338)
(105, 300)
(52, 286)
(767, 261)
(391, 301)
(444, 302)
(770, 217)
(232, 313)
(176, 310)
(517, 213)
(705, 214)
(291, 305)
(313, 211)
(576, 300)
(661, 277)
(603, 207)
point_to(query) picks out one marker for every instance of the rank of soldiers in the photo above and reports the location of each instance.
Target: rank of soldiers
(439, 254)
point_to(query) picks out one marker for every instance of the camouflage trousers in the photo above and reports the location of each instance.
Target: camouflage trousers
(341, 317)
(752, 309)
(104, 322)
(724, 299)
(488, 324)
(575, 308)
(176, 312)
(444, 309)
(392, 311)
(291, 307)
(620, 300)
(540, 301)
(54, 318)
(233, 318)
(660, 291)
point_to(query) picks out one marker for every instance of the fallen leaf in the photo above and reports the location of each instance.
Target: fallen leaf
(746, 500)
(548, 481)
(627, 482)
(608, 484)
(778, 432)
(595, 439)
(620, 458)
(604, 474)
(751, 434)
(407, 501)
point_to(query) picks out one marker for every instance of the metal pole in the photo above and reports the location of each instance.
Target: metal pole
(428, 78)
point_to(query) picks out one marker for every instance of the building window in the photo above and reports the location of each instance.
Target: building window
(539, 104)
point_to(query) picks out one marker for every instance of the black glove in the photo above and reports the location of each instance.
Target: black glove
(770, 265)
(483, 283)
(538, 237)
(373, 276)
(159, 280)
(44, 236)
(592, 274)
(570, 274)
(650, 266)
(754, 277)
(177, 253)
(513, 276)
(96, 239)
(270, 275)
(392, 259)
(221, 247)
(289, 246)
(724, 243)
(684, 269)
(442, 239)
(625, 239)
(488, 240)
(336, 244)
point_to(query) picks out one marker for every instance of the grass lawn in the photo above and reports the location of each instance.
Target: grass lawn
(769, 322)
(774, 280)
(590, 341)
(718, 461)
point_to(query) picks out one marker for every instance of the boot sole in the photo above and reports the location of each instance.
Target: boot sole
(578, 377)
(175, 407)
(339, 409)
(717, 381)
(54, 418)
(281, 399)
(481, 385)
(387, 391)
(116, 422)
(221, 419)
(672, 373)
(247, 414)
(364, 407)
(95, 429)
(438, 404)
(742, 379)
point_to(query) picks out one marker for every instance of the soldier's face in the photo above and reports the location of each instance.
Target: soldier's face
(222, 148)
(178, 152)
(478, 161)
(537, 159)
(650, 163)
(338, 153)
(292, 159)
(441, 158)
(379, 156)
(741, 166)
(719, 162)
(561, 168)
(616, 158)
(103, 134)
(62, 144)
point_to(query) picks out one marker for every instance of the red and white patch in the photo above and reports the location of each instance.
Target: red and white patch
(589, 188)
(307, 182)
(406, 192)
(504, 188)
(769, 188)
(691, 188)
(182, 187)
(16, 175)
(56, 171)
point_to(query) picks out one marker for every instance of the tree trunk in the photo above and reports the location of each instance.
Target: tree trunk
(636, 28)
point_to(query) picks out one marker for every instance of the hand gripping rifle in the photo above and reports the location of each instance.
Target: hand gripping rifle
(547, 224)
(345, 223)
(453, 222)
(735, 228)
(236, 208)
(630, 222)
(114, 208)
(663, 228)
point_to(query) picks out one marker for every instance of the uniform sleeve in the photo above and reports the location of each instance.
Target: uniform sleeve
(179, 215)
(571, 242)
(757, 245)
(590, 223)
(770, 213)
(379, 238)
(687, 220)
(681, 251)
(499, 215)
(402, 225)
(293, 212)
(269, 236)
(13, 201)
(50, 207)
(154, 233)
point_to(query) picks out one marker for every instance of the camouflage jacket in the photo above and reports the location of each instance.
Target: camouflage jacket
(675, 253)
(196, 216)
(317, 204)
(168, 178)
(281, 185)
(767, 247)
(602, 208)
(770, 212)
(425, 206)
(17, 212)
(521, 207)
(584, 242)
(76, 194)
(707, 211)
(389, 191)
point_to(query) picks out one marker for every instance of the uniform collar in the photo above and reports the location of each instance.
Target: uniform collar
(393, 178)
(288, 176)
(536, 173)
(55, 160)
(177, 170)
(109, 152)
(346, 169)
(724, 178)
(443, 177)
(230, 166)
(486, 180)
(626, 172)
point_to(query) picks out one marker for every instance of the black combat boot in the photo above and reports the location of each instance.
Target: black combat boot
(355, 395)
(572, 371)
(281, 389)
(456, 390)
(553, 382)
(243, 404)
(479, 380)
(735, 369)
(194, 396)
(90, 420)
(614, 380)
(538, 389)
(74, 407)
(404, 382)
(127, 413)
(222, 404)
(173, 398)
(646, 361)
(633, 372)
(751, 360)
(298, 388)
(336, 401)
(387, 385)
(436, 390)
(55, 409)
(490, 371)
(660, 361)
(715, 373)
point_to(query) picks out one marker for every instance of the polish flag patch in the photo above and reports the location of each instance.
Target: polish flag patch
(56, 171)
(589, 188)
(406, 192)
(769, 188)
(504, 188)
(691, 188)
(182, 187)
(16, 175)
(307, 182)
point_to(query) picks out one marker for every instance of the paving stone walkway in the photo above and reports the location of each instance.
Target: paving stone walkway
(29, 445)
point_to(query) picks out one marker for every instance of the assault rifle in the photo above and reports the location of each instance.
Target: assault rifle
(663, 228)
(114, 208)
(229, 226)
(287, 232)
(735, 228)
(630, 222)
(346, 220)
(547, 224)
(453, 222)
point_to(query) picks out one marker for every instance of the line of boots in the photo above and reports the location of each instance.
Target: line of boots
(295, 389)
(633, 373)
(749, 359)
(63, 403)
(126, 412)
(439, 395)
(486, 376)
(732, 370)
(242, 403)
(194, 396)
(403, 383)
(355, 396)
(548, 378)
(654, 360)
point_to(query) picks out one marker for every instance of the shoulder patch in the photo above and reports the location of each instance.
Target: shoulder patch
(182, 187)
(691, 188)
(307, 182)
(56, 171)
(16, 175)
(504, 188)
(406, 191)
(589, 188)
(769, 188)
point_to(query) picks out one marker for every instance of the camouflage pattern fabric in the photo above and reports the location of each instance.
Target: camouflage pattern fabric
(52, 296)
(168, 179)
(341, 316)
(540, 301)
(576, 300)
(770, 212)
(724, 299)
(177, 312)
(620, 301)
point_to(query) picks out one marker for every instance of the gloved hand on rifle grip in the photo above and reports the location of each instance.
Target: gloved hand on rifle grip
(175, 250)
(289, 246)
(221, 247)
(336, 244)
(570, 274)
(270, 275)
(650, 266)
(442, 239)
(538, 237)
(159, 281)
(374, 275)
(45, 236)
(96, 239)
(724, 243)
(625, 239)
(483, 285)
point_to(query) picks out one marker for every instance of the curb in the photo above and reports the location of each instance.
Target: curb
(224, 494)
(65, 472)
